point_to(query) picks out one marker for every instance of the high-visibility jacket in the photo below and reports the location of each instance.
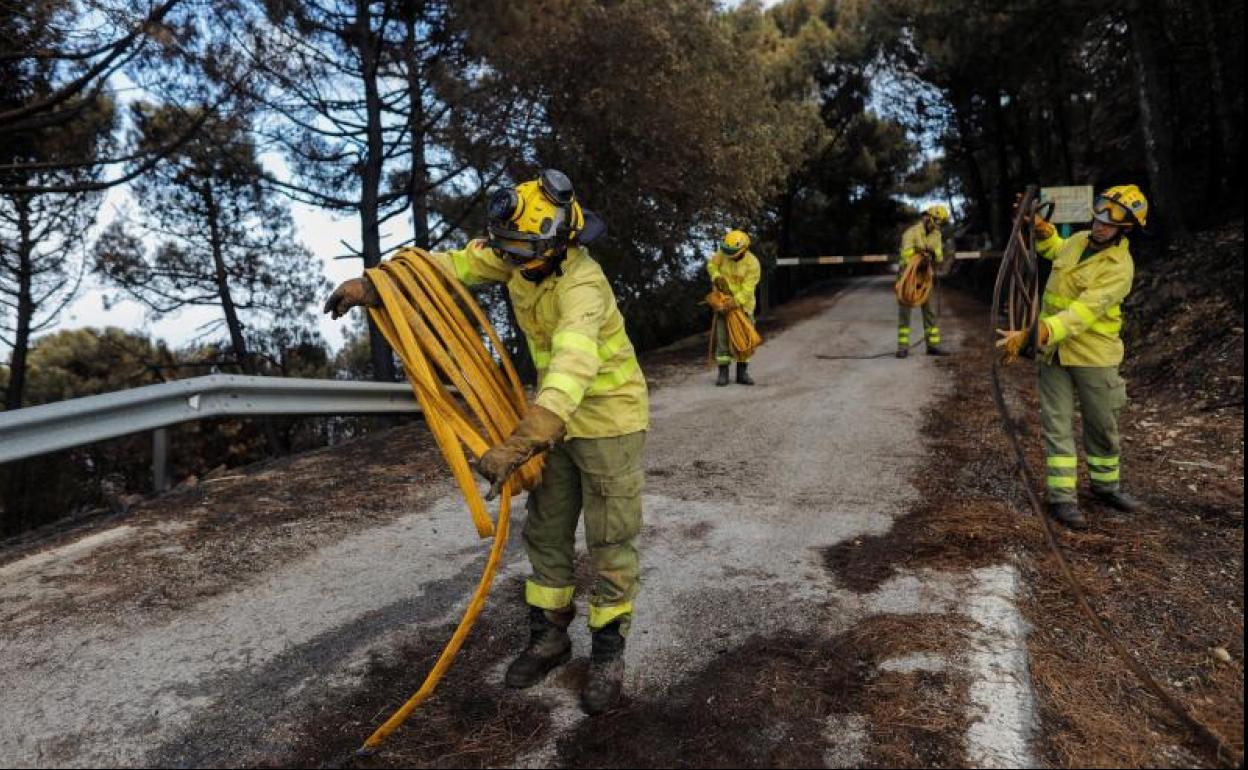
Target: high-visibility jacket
(741, 274)
(1083, 300)
(917, 238)
(587, 369)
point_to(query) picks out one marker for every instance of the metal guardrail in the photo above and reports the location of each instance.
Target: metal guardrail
(860, 259)
(41, 429)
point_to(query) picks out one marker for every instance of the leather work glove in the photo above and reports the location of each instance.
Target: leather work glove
(349, 294)
(720, 302)
(540, 430)
(1013, 341)
(721, 283)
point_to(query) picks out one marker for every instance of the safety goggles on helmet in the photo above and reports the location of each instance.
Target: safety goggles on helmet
(1111, 212)
(1121, 206)
(536, 220)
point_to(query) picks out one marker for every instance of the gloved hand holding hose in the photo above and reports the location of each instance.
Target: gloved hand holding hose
(1013, 341)
(349, 294)
(1043, 227)
(540, 430)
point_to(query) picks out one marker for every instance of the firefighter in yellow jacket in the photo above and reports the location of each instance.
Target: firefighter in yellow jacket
(591, 410)
(922, 240)
(1081, 348)
(735, 271)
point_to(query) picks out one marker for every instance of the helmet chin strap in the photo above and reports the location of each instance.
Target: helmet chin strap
(537, 270)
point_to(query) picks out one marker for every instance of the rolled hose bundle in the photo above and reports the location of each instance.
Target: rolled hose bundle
(742, 336)
(437, 329)
(914, 285)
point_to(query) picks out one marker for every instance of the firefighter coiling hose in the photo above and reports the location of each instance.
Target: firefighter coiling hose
(1016, 299)
(914, 284)
(423, 317)
(742, 335)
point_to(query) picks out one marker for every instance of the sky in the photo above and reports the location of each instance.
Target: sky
(318, 230)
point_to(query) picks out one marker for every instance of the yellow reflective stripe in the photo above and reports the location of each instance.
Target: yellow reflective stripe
(1084, 312)
(463, 270)
(609, 381)
(613, 344)
(1062, 482)
(1113, 475)
(601, 616)
(1107, 327)
(1063, 461)
(541, 356)
(1057, 329)
(1114, 312)
(1109, 462)
(547, 598)
(723, 359)
(1057, 300)
(565, 384)
(568, 340)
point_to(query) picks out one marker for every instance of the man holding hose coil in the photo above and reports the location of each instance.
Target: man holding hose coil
(591, 413)
(735, 272)
(922, 240)
(1080, 339)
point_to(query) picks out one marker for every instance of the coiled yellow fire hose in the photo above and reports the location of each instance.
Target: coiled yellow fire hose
(742, 336)
(423, 318)
(914, 285)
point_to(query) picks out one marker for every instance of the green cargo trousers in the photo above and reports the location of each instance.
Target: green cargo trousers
(929, 323)
(724, 353)
(1102, 395)
(602, 478)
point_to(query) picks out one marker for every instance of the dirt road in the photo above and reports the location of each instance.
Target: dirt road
(746, 648)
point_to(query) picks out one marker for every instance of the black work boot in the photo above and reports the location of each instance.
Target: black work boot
(1118, 500)
(549, 646)
(903, 352)
(722, 380)
(606, 670)
(1067, 514)
(743, 374)
(936, 350)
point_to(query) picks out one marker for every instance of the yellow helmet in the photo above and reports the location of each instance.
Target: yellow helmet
(938, 212)
(1122, 205)
(536, 221)
(734, 244)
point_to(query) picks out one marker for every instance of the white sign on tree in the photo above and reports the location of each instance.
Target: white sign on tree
(1071, 205)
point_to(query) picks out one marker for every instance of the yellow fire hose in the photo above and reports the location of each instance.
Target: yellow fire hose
(423, 318)
(742, 336)
(914, 285)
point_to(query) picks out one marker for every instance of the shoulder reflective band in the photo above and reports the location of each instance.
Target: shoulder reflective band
(575, 341)
(462, 270)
